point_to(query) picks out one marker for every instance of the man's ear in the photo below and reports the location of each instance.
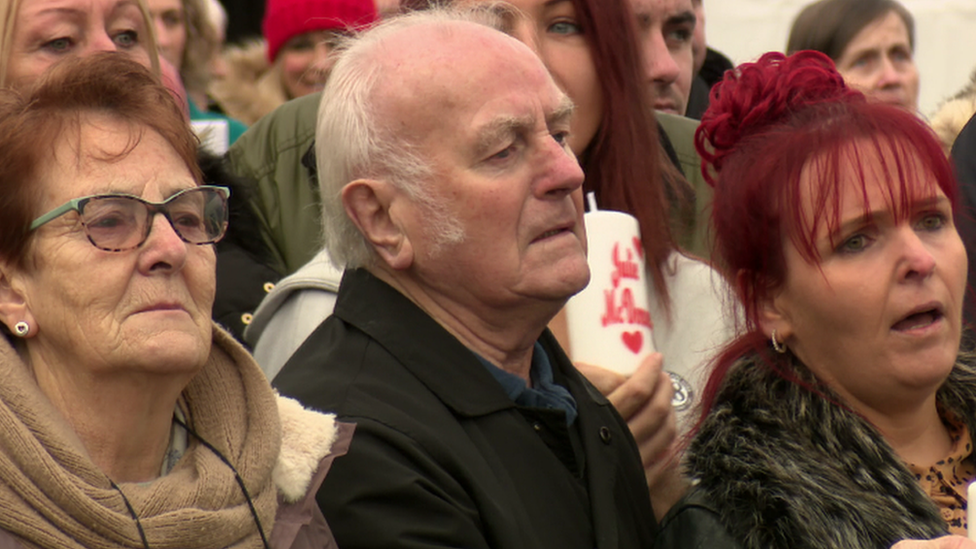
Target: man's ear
(13, 301)
(369, 203)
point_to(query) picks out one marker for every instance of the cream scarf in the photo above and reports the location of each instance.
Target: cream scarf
(52, 495)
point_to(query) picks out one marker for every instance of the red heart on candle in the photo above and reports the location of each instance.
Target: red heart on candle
(639, 247)
(633, 340)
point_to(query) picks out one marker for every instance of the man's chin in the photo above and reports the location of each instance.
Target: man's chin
(571, 283)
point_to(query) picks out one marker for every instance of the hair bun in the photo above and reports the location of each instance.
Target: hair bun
(755, 96)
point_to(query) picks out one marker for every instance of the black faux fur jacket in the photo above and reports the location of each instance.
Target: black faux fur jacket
(777, 466)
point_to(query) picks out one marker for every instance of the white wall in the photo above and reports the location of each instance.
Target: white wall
(945, 37)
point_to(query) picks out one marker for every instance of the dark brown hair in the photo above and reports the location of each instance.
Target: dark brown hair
(35, 120)
(828, 26)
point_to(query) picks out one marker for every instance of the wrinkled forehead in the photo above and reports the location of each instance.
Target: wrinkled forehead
(438, 72)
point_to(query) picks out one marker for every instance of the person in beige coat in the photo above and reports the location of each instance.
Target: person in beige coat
(129, 419)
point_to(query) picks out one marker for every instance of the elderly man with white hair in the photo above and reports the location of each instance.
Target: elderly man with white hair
(453, 201)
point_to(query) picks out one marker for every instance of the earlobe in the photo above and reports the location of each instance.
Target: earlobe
(14, 310)
(773, 319)
(371, 205)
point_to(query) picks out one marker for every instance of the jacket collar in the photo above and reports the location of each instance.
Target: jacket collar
(466, 387)
(421, 344)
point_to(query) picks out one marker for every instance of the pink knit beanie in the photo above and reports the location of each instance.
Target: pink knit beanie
(285, 19)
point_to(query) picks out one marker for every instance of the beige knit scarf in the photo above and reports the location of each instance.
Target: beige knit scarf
(52, 495)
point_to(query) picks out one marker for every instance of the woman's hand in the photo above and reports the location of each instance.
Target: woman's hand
(643, 399)
(945, 542)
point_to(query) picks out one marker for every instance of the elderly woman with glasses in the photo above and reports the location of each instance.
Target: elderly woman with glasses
(129, 419)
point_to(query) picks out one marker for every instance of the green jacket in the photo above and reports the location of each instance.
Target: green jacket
(681, 133)
(286, 198)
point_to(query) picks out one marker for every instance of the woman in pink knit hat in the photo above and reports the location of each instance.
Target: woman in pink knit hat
(293, 58)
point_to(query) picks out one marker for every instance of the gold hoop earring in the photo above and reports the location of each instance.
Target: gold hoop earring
(777, 346)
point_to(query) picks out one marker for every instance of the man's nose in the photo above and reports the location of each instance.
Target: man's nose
(561, 172)
(659, 65)
(889, 76)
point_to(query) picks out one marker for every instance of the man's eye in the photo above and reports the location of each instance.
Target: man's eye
(504, 153)
(678, 37)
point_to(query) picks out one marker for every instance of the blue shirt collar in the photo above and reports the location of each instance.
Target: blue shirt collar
(544, 393)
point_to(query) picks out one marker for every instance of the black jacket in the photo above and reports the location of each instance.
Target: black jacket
(964, 161)
(442, 457)
(779, 466)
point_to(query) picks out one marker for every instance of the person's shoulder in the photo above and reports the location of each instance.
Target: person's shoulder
(311, 441)
(716, 63)
(677, 127)
(290, 126)
(690, 275)
(318, 275)
(965, 143)
(680, 133)
(949, 121)
(299, 113)
(693, 523)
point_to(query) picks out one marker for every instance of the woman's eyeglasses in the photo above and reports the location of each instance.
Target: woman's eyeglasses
(119, 222)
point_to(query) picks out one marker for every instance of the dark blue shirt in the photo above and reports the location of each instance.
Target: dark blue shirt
(544, 393)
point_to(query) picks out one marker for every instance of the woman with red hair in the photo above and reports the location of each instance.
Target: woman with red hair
(842, 416)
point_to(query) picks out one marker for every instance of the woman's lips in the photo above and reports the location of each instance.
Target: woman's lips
(920, 317)
(917, 320)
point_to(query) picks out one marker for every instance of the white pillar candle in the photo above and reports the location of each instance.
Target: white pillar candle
(609, 322)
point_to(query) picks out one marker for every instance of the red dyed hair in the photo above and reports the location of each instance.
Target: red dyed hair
(767, 124)
(34, 121)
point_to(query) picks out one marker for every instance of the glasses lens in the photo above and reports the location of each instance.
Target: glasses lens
(114, 222)
(117, 223)
(199, 215)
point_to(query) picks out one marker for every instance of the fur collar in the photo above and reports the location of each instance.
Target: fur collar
(787, 468)
(307, 437)
(252, 87)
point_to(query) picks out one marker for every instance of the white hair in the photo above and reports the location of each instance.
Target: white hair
(350, 144)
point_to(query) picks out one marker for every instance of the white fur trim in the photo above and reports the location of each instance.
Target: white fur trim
(306, 438)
